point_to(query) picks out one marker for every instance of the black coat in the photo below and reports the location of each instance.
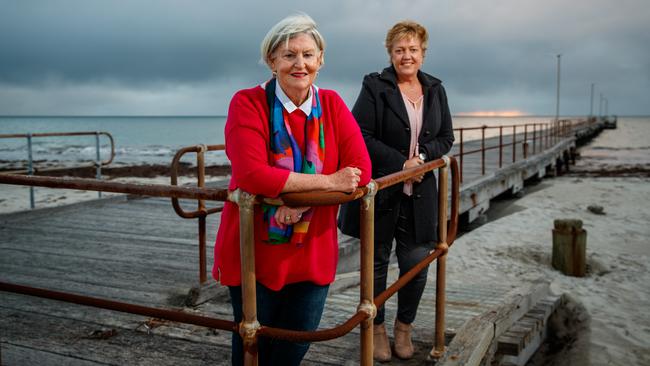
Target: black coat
(382, 116)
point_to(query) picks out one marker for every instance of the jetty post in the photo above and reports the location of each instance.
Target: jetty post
(366, 281)
(249, 325)
(441, 265)
(569, 247)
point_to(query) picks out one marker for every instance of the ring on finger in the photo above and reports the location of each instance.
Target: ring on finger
(287, 218)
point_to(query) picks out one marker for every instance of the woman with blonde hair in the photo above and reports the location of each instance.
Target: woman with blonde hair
(405, 122)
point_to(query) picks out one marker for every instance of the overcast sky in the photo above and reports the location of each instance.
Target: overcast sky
(188, 57)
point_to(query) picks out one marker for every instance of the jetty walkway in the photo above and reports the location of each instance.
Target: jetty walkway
(137, 250)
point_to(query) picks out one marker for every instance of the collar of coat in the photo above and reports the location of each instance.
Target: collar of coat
(389, 74)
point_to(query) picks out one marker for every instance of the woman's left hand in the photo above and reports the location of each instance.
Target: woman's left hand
(286, 215)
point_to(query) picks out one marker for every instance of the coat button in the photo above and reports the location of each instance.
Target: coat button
(403, 151)
(407, 129)
(418, 196)
(427, 132)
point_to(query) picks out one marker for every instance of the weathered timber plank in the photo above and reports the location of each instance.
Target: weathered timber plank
(98, 291)
(96, 273)
(164, 271)
(13, 354)
(71, 338)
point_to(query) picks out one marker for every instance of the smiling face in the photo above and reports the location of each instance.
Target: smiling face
(406, 55)
(296, 64)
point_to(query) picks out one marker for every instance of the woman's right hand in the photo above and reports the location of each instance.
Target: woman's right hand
(345, 180)
(412, 163)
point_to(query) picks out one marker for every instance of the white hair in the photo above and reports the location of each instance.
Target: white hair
(288, 28)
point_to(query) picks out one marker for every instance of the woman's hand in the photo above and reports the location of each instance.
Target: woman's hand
(286, 215)
(411, 163)
(345, 180)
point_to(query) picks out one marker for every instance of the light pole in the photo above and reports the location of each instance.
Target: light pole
(557, 104)
(591, 104)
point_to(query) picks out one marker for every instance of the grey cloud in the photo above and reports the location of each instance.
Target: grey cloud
(490, 55)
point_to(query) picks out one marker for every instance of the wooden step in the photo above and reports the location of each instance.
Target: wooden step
(523, 338)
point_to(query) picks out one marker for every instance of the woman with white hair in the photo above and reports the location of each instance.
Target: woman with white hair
(288, 135)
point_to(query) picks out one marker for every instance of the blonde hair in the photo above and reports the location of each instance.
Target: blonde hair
(288, 28)
(406, 29)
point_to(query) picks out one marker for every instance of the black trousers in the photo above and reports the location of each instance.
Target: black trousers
(409, 253)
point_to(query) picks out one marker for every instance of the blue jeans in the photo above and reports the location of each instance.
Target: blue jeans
(297, 306)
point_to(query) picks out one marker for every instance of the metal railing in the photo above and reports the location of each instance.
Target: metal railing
(249, 328)
(201, 213)
(540, 135)
(98, 163)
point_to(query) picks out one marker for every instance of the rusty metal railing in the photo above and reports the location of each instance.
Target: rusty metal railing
(249, 328)
(98, 163)
(540, 135)
(201, 213)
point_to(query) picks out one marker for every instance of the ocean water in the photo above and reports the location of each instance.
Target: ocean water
(138, 140)
(155, 140)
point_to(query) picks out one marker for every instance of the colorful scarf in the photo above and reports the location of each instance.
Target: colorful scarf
(285, 153)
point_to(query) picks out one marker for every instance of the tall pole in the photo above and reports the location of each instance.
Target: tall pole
(606, 107)
(557, 104)
(591, 105)
(600, 106)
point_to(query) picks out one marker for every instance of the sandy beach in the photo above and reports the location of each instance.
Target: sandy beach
(612, 328)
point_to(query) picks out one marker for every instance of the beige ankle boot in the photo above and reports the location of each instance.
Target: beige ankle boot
(403, 346)
(381, 346)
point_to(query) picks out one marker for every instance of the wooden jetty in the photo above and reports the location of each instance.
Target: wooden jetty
(137, 250)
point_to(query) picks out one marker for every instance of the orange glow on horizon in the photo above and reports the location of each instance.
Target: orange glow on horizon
(506, 113)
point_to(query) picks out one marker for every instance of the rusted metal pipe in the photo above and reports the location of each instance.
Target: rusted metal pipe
(439, 344)
(455, 201)
(249, 325)
(174, 179)
(514, 143)
(200, 172)
(500, 146)
(461, 155)
(401, 176)
(534, 138)
(525, 141)
(311, 199)
(482, 150)
(83, 184)
(173, 315)
(366, 287)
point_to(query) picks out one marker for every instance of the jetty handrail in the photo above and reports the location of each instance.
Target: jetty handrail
(98, 163)
(249, 328)
(201, 213)
(63, 134)
(544, 135)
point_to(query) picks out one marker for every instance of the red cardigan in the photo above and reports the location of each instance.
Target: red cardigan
(247, 147)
